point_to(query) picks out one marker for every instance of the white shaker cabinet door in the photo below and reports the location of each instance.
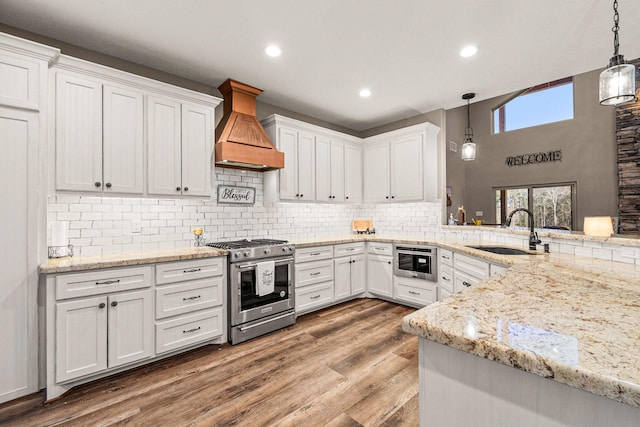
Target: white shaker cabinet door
(131, 335)
(376, 173)
(81, 337)
(306, 167)
(358, 275)
(197, 147)
(19, 139)
(406, 169)
(380, 275)
(164, 147)
(342, 278)
(323, 169)
(337, 171)
(287, 143)
(123, 143)
(352, 174)
(78, 134)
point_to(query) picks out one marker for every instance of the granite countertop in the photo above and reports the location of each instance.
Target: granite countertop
(68, 264)
(575, 323)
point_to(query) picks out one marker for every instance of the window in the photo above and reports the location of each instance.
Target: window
(545, 103)
(552, 205)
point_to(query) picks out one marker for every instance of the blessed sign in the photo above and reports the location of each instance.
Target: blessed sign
(533, 158)
(238, 195)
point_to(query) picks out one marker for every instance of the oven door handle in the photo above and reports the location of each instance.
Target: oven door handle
(264, 322)
(242, 267)
(278, 261)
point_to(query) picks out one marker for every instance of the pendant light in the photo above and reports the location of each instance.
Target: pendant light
(469, 147)
(618, 82)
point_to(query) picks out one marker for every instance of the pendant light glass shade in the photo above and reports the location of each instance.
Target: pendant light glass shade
(469, 151)
(469, 147)
(618, 82)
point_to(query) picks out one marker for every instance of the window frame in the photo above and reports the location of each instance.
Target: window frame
(537, 88)
(503, 213)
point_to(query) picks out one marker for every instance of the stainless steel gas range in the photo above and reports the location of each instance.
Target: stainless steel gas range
(261, 297)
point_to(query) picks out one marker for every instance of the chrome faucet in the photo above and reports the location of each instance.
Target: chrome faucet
(533, 236)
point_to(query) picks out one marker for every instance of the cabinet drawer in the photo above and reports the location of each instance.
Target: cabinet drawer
(314, 296)
(446, 278)
(380, 248)
(309, 273)
(348, 249)
(462, 280)
(102, 281)
(415, 291)
(187, 297)
(186, 330)
(446, 257)
(189, 270)
(472, 266)
(314, 254)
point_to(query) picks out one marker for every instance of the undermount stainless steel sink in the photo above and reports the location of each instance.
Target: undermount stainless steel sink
(502, 250)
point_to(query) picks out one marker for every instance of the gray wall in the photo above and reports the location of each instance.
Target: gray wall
(588, 147)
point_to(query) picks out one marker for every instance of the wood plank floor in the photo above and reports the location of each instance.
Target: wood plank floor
(348, 365)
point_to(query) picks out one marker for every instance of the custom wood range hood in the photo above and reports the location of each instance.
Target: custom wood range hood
(241, 141)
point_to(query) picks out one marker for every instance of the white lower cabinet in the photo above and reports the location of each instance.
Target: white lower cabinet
(314, 278)
(380, 275)
(102, 321)
(349, 270)
(416, 292)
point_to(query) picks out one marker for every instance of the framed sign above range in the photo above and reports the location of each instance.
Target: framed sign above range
(236, 195)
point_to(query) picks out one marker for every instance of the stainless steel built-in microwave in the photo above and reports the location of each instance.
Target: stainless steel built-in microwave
(415, 261)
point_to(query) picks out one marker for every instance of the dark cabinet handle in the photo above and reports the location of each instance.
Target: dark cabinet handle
(386, 197)
(191, 330)
(108, 185)
(347, 197)
(414, 293)
(297, 195)
(302, 195)
(393, 197)
(388, 262)
(191, 298)
(467, 284)
(445, 278)
(108, 282)
(186, 188)
(315, 297)
(101, 305)
(193, 270)
(177, 188)
(98, 184)
(114, 303)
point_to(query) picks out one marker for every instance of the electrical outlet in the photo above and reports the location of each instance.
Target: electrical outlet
(136, 226)
(479, 213)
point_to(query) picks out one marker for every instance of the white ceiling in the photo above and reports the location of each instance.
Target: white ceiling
(406, 51)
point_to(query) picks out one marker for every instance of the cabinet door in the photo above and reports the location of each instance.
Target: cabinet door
(78, 134)
(407, 180)
(123, 121)
(19, 140)
(352, 174)
(131, 319)
(81, 337)
(342, 277)
(323, 169)
(197, 147)
(462, 280)
(306, 167)
(20, 82)
(287, 143)
(337, 171)
(376, 173)
(380, 275)
(358, 275)
(164, 148)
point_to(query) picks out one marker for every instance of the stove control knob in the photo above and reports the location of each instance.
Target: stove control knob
(285, 249)
(247, 253)
(237, 254)
(266, 251)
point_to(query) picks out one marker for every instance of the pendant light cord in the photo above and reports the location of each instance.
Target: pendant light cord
(468, 132)
(616, 28)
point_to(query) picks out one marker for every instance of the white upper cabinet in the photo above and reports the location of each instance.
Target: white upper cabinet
(402, 165)
(100, 126)
(317, 163)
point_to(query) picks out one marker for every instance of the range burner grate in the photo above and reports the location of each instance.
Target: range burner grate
(244, 243)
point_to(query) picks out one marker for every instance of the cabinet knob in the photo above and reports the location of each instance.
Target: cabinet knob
(101, 305)
(467, 284)
(386, 197)
(114, 303)
(186, 188)
(346, 197)
(177, 188)
(98, 184)
(393, 197)
(297, 195)
(388, 262)
(108, 185)
(302, 195)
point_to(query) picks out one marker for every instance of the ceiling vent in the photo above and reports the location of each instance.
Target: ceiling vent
(241, 141)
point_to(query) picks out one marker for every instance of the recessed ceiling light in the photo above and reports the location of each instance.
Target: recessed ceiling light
(468, 51)
(365, 92)
(273, 51)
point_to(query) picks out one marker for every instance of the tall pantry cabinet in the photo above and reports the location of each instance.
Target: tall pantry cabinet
(23, 114)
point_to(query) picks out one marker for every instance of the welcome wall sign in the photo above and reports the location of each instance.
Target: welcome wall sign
(534, 158)
(236, 195)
